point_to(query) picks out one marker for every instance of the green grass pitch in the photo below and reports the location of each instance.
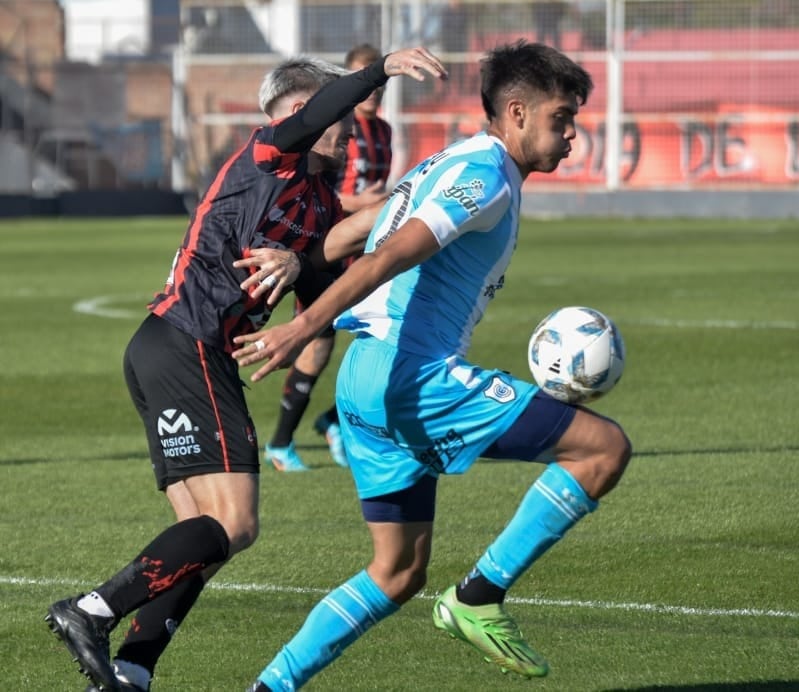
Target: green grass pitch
(687, 578)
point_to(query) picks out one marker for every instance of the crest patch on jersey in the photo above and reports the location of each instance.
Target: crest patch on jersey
(500, 391)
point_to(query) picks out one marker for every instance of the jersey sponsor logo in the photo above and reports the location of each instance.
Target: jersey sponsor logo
(466, 195)
(443, 450)
(177, 434)
(500, 391)
(274, 214)
(277, 215)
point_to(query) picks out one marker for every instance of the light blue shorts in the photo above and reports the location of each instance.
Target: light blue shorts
(403, 416)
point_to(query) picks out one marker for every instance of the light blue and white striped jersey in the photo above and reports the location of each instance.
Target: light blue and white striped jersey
(468, 195)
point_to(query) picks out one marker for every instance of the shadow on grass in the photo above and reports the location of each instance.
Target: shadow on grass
(776, 449)
(133, 455)
(763, 686)
(119, 456)
(653, 453)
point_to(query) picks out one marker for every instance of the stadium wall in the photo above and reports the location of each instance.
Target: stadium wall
(95, 203)
(732, 204)
(765, 204)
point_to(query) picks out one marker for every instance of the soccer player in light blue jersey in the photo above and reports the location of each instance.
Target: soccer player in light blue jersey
(412, 407)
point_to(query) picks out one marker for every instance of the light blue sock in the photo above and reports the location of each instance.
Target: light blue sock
(335, 622)
(554, 504)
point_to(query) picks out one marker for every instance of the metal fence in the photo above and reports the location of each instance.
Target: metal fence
(692, 95)
(689, 94)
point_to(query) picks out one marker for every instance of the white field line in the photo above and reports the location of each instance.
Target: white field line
(712, 324)
(655, 608)
(103, 306)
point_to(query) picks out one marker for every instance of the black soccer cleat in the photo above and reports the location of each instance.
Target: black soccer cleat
(86, 638)
(258, 686)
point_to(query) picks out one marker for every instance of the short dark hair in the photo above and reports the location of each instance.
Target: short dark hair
(365, 53)
(530, 65)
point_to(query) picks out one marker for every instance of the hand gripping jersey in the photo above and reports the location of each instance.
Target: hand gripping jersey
(469, 196)
(262, 197)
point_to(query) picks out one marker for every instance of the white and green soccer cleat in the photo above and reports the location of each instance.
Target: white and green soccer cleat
(490, 630)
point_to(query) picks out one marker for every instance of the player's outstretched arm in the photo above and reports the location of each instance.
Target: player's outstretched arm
(410, 245)
(371, 194)
(272, 270)
(333, 101)
(414, 62)
(346, 238)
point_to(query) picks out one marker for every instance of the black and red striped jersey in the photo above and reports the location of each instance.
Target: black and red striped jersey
(368, 156)
(262, 196)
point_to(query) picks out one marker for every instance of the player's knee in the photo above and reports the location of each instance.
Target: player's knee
(400, 585)
(622, 448)
(408, 584)
(616, 455)
(417, 580)
(242, 531)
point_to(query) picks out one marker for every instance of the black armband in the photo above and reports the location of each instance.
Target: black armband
(310, 282)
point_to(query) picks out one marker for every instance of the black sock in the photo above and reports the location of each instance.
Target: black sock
(332, 414)
(296, 397)
(476, 590)
(183, 549)
(156, 621)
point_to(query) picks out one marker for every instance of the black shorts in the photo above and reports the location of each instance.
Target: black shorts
(191, 400)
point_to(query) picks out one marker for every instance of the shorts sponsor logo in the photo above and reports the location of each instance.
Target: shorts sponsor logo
(500, 391)
(357, 422)
(177, 434)
(172, 421)
(443, 450)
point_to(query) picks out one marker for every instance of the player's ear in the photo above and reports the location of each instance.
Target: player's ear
(297, 105)
(517, 112)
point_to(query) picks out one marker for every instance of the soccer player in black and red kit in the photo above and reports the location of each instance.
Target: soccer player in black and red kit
(361, 182)
(363, 179)
(184, 382)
